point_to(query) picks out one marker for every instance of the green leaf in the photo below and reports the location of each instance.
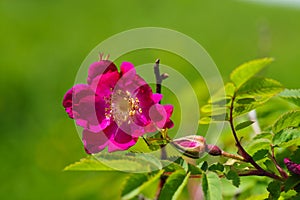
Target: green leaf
(129, 163)
(213, 119)
(263, 135)
(216, 167)
(260, 154)
(258, 197)
(274, 189)
(234, 177)
(260, 88)
(211, 186)
(270, 166)
(88, 164)
(182, 162)
(218, 96)
(204, 166)
(287, 137)
(258, 144)
(194, 170)
(247, 70)
(222, 101)
(171, 166)
(287, 120)
(135, 183)
(291, 182)
(243, 125)
(291, 95)
(116, 162)
(174, 185)
(213, 109)
(288, 195)
(140, 147)
(246, 100)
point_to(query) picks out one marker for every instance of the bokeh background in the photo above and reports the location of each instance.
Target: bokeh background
(44, 42)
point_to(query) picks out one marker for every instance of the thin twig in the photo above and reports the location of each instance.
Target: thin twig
(280, 170)
(159, 78)
(243, 152)
(233, 156)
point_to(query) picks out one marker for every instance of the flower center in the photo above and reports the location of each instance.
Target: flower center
(123, 106)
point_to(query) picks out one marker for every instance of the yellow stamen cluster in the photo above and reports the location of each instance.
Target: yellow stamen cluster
(122, 107)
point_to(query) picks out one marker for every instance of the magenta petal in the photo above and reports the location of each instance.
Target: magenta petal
(67, 103)
(88, 110)
(156, 97)
(187, 143)
(110, 95)
(94, 142)
(169, 109)
(169, 124)
(120, 140)
(158, 115)
(99, 68)
(127, 67)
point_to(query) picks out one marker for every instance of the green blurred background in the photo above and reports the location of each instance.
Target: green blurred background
(44, 42)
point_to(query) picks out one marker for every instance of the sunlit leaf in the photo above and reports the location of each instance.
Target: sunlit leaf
(260, 88)
(291, 95)
(246, 100)
(88, 164)
(287, 137)
(260, 154)
(115, 162)
(140, 146)
(270, 166)
(263, 135)
(258, 144)
(243, 125)
(174, 185)
(211, 186)
(288, 195)
(135, 183)
(287, 120)
(247, 70)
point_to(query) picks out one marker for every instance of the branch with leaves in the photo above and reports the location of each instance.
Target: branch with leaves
(272, 153)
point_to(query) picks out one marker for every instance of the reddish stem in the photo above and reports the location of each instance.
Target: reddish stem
(248, 158)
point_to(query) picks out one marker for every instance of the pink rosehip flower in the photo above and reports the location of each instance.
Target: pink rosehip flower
(292, 167)
(115, 108)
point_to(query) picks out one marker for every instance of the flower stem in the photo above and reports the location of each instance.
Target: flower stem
(248, 158)
(233, 156)
(159, 78)
(279, 169)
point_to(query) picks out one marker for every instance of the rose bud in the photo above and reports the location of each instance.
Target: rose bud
(292, 167)
(213, 150)
(192, 146)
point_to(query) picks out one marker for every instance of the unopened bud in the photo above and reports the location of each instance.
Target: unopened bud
(292, 167)
(213, 150)
(192, 146)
